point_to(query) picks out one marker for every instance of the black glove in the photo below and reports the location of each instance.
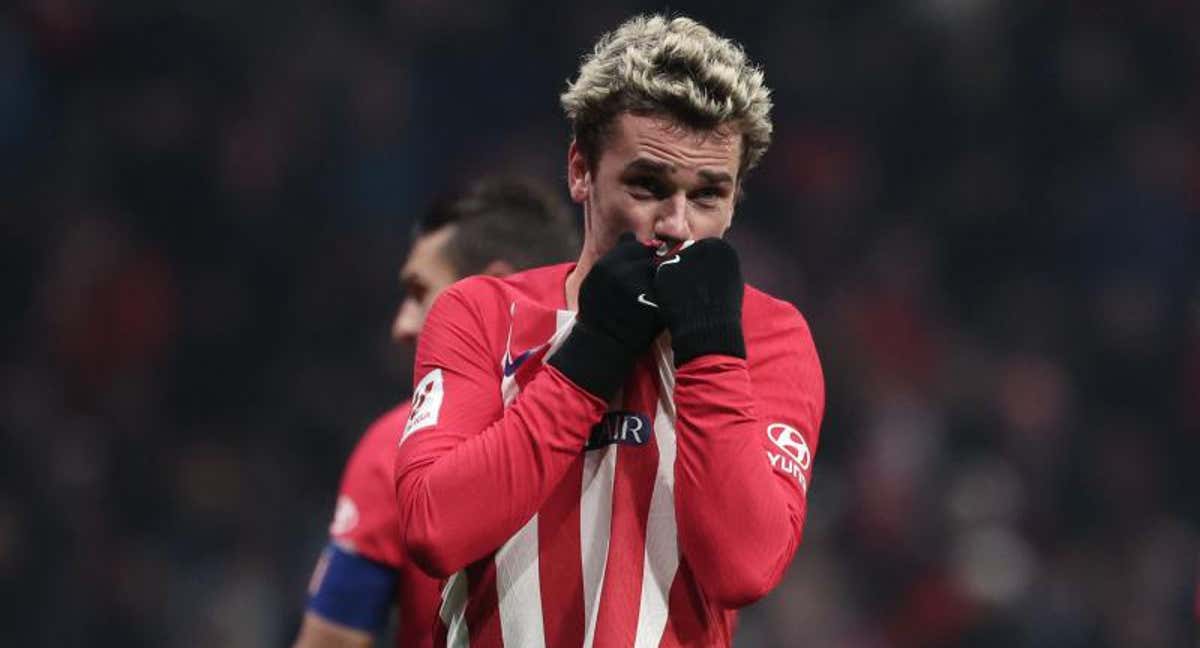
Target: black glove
(617, 319)
(699, 289)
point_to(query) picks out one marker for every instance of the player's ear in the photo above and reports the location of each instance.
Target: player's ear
(498, 268)
(579, 176)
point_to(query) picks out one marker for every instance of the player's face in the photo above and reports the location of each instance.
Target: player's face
(658, 180)
(424, 276)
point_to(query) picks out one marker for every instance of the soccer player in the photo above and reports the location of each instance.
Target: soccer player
(496, 227)
(617, 452)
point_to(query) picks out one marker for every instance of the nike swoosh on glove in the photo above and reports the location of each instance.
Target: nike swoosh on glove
(615, 324)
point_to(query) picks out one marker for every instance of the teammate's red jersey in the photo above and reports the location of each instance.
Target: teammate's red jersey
(367, 524)
(561, 520)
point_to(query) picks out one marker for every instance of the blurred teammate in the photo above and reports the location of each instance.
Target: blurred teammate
(580, 478)
(495, 228)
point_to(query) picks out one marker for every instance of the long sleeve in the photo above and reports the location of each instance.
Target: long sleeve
(747, 434)
(365, 521)
(470, 472)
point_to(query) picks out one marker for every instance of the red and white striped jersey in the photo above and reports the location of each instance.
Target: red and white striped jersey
(560, 520)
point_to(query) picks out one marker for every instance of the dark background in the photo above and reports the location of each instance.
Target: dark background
(987, 209)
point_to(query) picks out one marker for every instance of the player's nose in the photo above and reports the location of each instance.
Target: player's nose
(409, 319)
(671, 222)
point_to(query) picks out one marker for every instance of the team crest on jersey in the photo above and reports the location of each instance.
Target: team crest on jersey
(794, 457)
(625, 428)
(426, 403)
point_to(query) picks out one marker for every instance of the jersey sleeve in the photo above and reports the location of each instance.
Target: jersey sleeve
(355, 580)
(366, 521)
(470, 472)
(747, 431)
(351, 590)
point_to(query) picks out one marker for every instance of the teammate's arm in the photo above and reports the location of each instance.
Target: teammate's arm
(353, 587)
(350, 597)
(317, 632)
(745, 429)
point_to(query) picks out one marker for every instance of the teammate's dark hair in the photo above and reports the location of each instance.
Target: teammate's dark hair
(506, 219)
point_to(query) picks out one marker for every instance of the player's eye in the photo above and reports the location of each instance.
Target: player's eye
(415, 290)
(646, 187)
(708, 195)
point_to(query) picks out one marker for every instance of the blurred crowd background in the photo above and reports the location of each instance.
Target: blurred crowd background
(988, 210)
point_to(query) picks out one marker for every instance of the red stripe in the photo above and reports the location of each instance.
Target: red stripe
(691, 621)
(560, 569)
(439, 635)
(633, 486)
(417, 603)
(483, 607)
(560, 572)
(532, 325)
(559, 563)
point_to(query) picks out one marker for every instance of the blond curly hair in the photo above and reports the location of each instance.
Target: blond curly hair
(654, 65)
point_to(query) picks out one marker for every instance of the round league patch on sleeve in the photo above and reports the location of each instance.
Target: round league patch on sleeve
(426, 404)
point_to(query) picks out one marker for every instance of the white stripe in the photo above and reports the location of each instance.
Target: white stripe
(519, 588)
(508, 384)
(595, 530)
(518, 579)
(662, 541)
(454, 607)
(564, 321)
